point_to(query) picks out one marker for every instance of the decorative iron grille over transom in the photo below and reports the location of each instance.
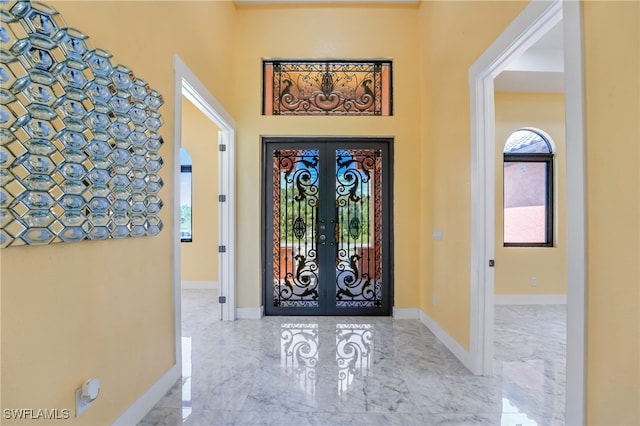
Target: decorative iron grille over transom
(327, 87)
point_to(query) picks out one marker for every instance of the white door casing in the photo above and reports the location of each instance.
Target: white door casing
(187, 84)
(535, 21)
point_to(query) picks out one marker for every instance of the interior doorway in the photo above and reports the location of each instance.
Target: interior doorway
(327, 239)
(527, 28)
(199, 200)
(187, 84)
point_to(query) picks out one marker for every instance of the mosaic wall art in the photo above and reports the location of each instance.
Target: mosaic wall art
(79, 154)
(332, 87)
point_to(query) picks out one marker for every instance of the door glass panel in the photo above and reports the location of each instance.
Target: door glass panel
(295, 207)
(359, 228)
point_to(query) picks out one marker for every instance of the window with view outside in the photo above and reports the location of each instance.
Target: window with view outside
(185, 196)
(528, 189)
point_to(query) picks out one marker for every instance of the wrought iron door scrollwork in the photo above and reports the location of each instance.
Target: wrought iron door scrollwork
(295, 197)
(326, 242)
(358, 229)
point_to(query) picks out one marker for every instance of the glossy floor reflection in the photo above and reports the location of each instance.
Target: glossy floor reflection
(361, 371)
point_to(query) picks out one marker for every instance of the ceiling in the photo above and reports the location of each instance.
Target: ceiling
(254, 2)
(540, 69)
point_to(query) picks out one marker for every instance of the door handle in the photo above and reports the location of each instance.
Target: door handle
(323, 240)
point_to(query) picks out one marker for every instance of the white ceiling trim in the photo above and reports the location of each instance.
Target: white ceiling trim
(293, 2)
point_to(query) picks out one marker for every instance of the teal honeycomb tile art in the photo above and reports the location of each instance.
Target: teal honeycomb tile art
(79, 141)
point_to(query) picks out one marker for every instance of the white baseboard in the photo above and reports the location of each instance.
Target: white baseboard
(456, 349)
(210, 285)
(250, 313)
(406, 313)
(136, 412)
(530, 299)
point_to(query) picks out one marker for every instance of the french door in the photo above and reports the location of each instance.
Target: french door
(327, 240)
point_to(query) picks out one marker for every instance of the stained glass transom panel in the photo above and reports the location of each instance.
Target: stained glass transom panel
(327, 88)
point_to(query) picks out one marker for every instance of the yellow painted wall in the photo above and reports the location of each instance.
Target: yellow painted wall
(88, 310)
(425, 175)
(455, 34)
(105, 309)
(515, 266)
(612, 101)
(342, 32)
(199, 261)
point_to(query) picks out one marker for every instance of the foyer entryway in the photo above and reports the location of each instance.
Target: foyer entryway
(327, 219)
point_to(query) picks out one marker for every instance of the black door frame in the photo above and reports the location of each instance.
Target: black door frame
(386, 144)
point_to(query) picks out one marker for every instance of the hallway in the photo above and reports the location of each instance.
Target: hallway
(361, 371)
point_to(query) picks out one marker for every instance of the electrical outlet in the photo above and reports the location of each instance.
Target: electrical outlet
(534, 281)
(434, 299)
(86, 394)
(81, 403)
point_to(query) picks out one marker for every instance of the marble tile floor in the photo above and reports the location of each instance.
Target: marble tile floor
(361, 371)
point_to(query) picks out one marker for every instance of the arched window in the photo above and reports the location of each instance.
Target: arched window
(528, 189)
(186, 229)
